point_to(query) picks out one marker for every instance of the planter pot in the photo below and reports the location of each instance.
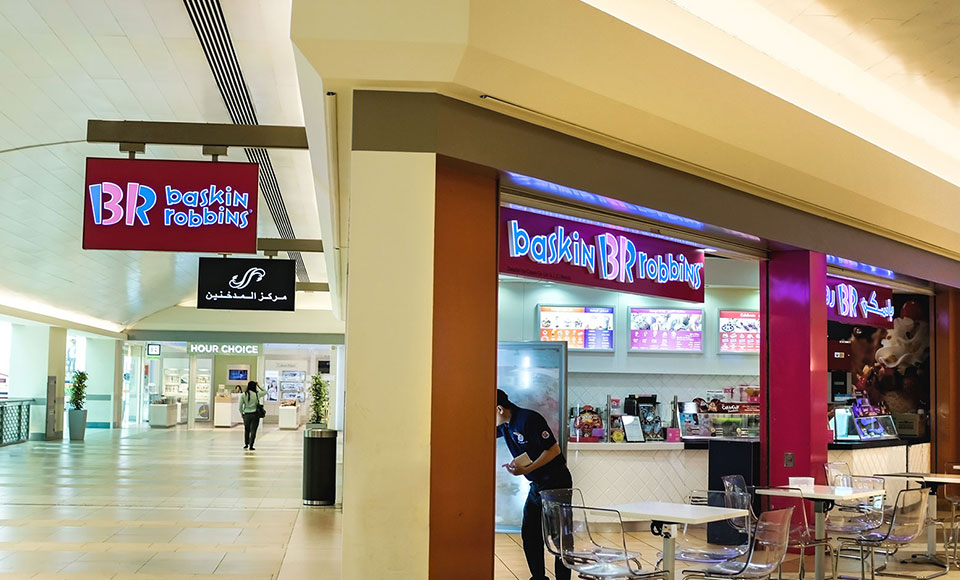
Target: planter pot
(78, 424)
(315, 426)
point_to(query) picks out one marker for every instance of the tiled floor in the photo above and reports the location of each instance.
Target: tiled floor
(174, 503)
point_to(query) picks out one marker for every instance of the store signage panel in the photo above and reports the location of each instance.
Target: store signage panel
(246, 284)
(860, 303)
(581, 327)
(172, 206)
(227, 348)
(739, 331)
(666, 330)
(551, 247)
(153, 350)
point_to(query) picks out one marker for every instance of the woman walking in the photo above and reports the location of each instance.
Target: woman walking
(249, 408)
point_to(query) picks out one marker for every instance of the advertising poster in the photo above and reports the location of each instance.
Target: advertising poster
(272, 380)
(739, 331)
(666, 330)
(581, 327)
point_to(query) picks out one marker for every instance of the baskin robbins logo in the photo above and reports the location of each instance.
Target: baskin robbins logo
(213, 205)
(610, 257)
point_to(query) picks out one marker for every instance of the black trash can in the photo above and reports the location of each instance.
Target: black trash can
(319, 466)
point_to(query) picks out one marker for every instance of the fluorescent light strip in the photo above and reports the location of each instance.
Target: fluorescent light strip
(25, 304)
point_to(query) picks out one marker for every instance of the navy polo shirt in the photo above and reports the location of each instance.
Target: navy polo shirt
(528, 432)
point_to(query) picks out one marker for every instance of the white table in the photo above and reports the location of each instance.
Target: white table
(823, 498)
(932, 482)
(662, 512)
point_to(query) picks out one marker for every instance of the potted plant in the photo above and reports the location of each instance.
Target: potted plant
(77, 414)
(319, 402)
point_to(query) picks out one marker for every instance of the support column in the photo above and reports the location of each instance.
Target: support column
(946, 392)
(794, 366)
(101, 367)
(389, 332)
(30, 344)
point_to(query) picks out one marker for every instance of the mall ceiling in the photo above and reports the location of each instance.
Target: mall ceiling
(64, 62)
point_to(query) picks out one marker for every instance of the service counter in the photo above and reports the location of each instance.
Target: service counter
(226, 410)
(164, 415)
(616, 473)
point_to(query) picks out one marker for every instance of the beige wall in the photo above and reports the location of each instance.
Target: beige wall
(386, 479)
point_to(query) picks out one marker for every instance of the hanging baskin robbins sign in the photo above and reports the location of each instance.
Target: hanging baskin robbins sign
(860, 303)
(172, 206)
(559, 248)
(246, 284)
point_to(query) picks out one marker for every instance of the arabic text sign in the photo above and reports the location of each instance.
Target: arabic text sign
(853, 302)
(175, 206)
(549, 247)
(662, 329)
(739, 331)
(582, 327)
(246, 284)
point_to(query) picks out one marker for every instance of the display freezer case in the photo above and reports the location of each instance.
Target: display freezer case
(534, 376)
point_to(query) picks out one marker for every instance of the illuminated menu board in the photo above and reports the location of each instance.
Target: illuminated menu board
(581, 327)
(666, 330)
(739, 331)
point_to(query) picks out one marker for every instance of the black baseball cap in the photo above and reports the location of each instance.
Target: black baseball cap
(502, 399)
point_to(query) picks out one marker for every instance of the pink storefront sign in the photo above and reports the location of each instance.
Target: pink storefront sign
(854, 302)
(562, 249)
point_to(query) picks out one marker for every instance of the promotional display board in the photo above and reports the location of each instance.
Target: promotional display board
(581, 327)
(246, 284)
(854, 302)
(562, 249)
(739, 331)
(173, 206)
(663, 329)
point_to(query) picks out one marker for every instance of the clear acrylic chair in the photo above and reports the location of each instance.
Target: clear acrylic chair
(854, 516)
(907, 523)
(951, 493)
(737, 483)
(576, 539)
(766, 553)
(802, 535)
(590, 549)
(718, 541)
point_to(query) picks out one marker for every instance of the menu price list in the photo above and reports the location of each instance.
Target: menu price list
(739, 331)
(589, 339)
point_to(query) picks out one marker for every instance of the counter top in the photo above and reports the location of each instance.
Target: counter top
(854, 445)
(648, 446)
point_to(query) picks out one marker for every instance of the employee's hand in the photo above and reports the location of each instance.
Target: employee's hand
(514, 469)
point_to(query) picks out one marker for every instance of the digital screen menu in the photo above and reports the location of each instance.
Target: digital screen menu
(582, 327)
(663, 329)
(739, 331)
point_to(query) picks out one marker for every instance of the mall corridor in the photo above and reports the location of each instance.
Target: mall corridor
(172, 503)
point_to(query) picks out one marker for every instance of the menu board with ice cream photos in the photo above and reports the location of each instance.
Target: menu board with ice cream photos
(666, 330)
(739, 331)
(581, 327)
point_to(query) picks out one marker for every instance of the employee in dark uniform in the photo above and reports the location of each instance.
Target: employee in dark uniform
(526, 432)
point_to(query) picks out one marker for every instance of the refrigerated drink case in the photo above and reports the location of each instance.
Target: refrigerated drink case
(534, 376)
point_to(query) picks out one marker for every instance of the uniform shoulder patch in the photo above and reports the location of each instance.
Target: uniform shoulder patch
(545, 434)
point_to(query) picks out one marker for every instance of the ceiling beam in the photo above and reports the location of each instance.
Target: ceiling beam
(289, 245)
(173, 133)
(313, 287)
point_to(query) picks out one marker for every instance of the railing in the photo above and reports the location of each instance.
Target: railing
(14, 420)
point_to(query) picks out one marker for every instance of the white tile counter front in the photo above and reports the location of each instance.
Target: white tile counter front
(618, 473)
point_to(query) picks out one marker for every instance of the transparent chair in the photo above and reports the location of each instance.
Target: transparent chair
(765, 555)
(908, 522)
(854, 516)
(802, 534)
(589, 549)
(576, 539)
(737, 483)
(718, 541)
(951, 493)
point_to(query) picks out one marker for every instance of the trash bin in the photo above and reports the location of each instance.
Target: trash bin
(319, 466)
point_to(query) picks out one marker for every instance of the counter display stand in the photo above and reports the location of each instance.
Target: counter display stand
(226, 410)
(290, 416)
(163, 415)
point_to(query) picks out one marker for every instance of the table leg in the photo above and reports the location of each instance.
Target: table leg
(669, 547)
(932, 529)
(820, 532)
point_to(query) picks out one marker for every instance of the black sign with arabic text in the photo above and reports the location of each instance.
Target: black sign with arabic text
(246, 284)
